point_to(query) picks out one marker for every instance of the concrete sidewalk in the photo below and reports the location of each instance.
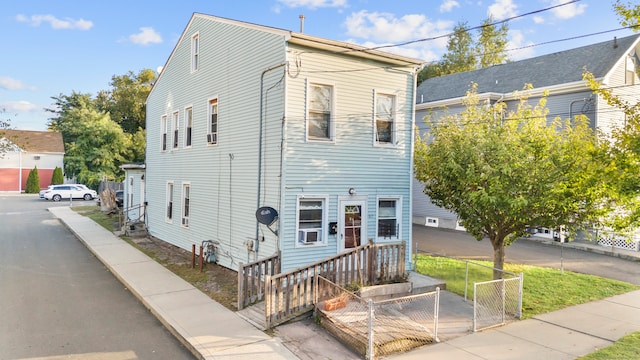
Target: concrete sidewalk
(205, 327)
(212, 331)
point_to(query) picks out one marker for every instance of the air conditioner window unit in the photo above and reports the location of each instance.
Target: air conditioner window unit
(309, 236)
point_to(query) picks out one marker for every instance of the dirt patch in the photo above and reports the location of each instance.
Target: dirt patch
(220, 283)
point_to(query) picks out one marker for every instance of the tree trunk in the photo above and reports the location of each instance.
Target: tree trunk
(498, 257)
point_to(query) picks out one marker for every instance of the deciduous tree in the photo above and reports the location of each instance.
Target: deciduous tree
(502, 175)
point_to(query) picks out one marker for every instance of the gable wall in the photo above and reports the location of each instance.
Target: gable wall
(223, 177)
(351, 160)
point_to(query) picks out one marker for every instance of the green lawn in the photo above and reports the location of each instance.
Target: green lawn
(544, 289)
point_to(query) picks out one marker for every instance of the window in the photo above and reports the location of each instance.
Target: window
(165, 129)
(188, 126)
(195, 52)
(169, 202)
(384, 119)
(319, 124)
(176, 126)
(630, 70)
(212, 135)
(185, 204)
(311, 220)
(389, 218)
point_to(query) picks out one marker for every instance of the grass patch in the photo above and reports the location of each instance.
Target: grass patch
(107, 220)
(626, 348)
(544, 289)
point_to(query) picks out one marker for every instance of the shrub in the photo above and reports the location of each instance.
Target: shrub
(57, 177)
(33, 182)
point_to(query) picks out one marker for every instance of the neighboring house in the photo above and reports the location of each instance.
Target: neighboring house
(612, 62)
(133, 204)
(26, 150)
(245, 116)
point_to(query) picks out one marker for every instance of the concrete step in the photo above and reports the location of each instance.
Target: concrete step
(423, 284)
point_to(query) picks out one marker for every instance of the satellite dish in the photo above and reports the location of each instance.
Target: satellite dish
(266, 215)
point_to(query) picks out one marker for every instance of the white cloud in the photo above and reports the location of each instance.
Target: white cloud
(385, 27)
(8, 83)
(19, 106)
(448, 5)
(313, 4)
(517, 41)
(567, 11)
(502, 9)
(146, 36)
(55, 23)
(538, 19)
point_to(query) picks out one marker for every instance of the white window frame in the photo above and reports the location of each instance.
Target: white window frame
(164, 141)
(332, 115)
(630, 70)
(394, 119)
(169, 203)
(398, 217)
(185, 212)
(323, 222)
(188, 126)
(212, 136)
(195, 52)
(175, 127)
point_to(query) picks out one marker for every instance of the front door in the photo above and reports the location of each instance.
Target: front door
(353, 224)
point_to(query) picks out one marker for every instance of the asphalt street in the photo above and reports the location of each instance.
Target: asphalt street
(58, 301)
(524, 251)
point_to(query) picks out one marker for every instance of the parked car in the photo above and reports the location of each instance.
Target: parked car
(67, 191)
(51, 186)
(120, 198)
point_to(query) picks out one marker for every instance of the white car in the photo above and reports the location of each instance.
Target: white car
(68, 191)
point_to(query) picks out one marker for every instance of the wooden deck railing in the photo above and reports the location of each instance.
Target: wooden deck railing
(251, 279)
(291, 294)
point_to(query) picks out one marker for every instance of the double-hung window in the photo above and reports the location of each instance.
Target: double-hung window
(212, 135)
(389, 216)
(165, 130)
(169, 202)
(312, 215)
(176, 127)
(385, 119)
(319, 114)
(195, 52)
(188, 126)
(186, 188)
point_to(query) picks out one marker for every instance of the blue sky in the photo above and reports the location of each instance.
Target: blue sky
(57, 47)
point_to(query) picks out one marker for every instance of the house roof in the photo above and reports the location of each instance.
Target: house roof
(555, 69)
(35, 141)
(307, 40)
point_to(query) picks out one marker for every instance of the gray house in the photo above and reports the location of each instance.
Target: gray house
(311, 136)
(613, 63)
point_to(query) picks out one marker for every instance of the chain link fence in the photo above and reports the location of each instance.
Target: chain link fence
(497, 301)
(378, 328)
(494, 301)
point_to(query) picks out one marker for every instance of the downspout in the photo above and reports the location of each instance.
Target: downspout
(264, 72)
(411, 159)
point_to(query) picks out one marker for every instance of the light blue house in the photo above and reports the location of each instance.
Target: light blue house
(614, 63)
(246, 117)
